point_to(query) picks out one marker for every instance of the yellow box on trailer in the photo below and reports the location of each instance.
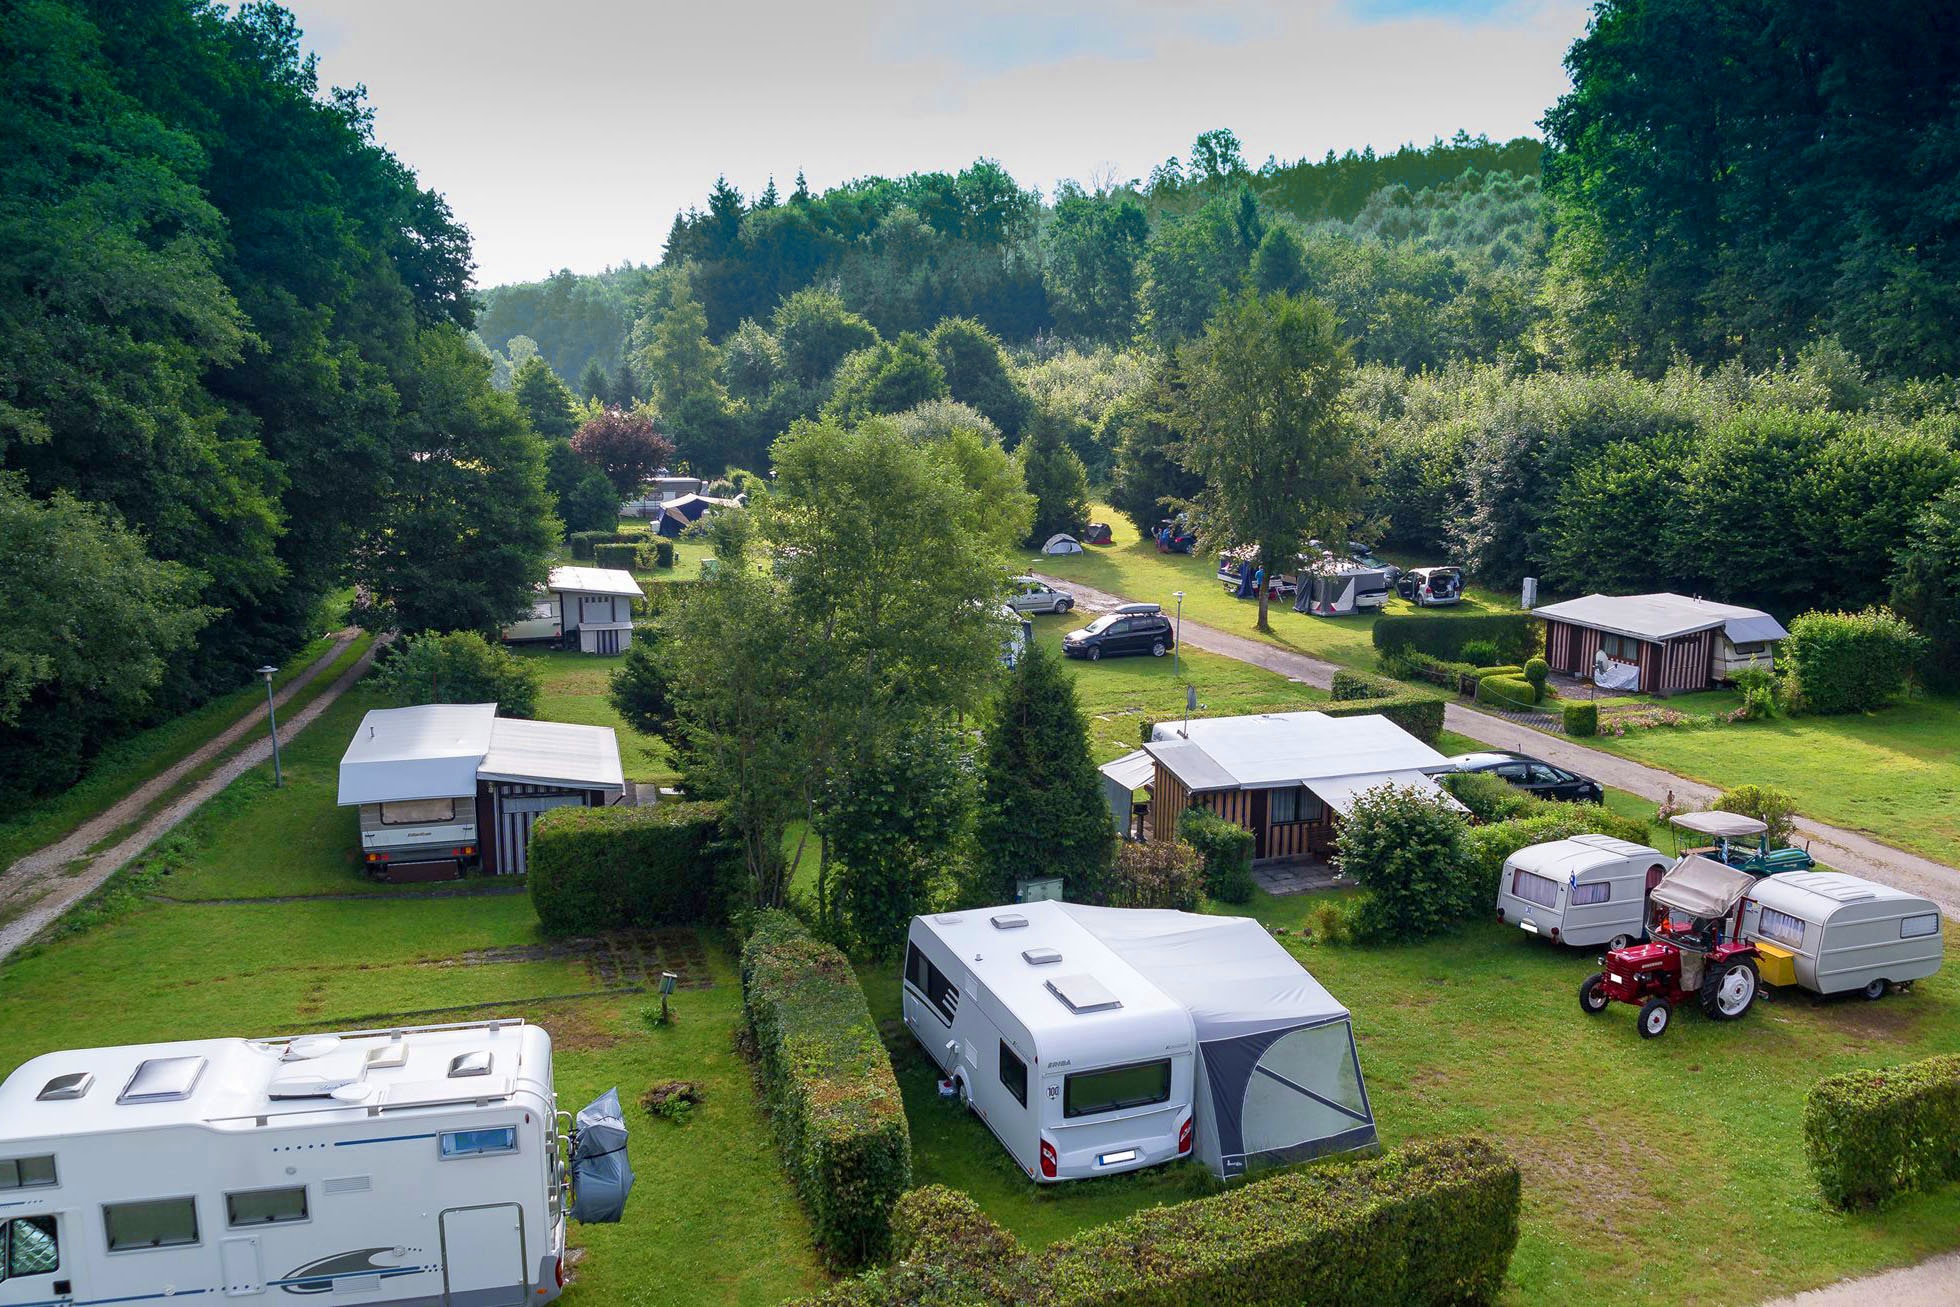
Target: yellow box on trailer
(1778, 966)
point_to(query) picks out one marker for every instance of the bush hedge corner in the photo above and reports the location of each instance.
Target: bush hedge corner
(1513, 692)
(1360, 685)
(1872, 1135)
(839, 1121)
(621, 557)
(596, 869)
(1852, 662)
(1225, 848)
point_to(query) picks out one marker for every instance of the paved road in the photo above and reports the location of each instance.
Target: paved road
(46, 884)
(1933, 1283)
(1842, 849)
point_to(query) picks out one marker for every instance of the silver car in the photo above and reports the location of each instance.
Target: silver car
(1027, 595)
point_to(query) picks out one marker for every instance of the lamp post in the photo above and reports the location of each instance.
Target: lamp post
(1177, 639)
(272, 721)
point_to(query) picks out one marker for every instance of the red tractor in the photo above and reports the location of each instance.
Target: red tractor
(1694, 916)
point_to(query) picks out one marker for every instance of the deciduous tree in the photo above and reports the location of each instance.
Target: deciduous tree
(625, 446)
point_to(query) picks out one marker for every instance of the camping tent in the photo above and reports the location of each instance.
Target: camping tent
(1279, 1078)
(1061, 544)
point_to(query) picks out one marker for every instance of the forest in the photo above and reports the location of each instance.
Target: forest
(1701, 335)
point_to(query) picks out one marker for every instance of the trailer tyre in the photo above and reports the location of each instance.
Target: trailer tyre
(1654, 1016)
(1877, 989)
(1592, 994)
(966, 1098)
(1618, 942)
(1731, 991)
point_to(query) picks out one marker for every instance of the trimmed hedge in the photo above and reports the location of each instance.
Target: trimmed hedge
(1872, 1135)
(1444, 637)
(1156, 874)
(1852, 662)
(663, 553)
(1581, 718)
(1502, 669)
(1360, 685)
(596, 869)
(1224, 848)
(1420, 714)
(1432, 1223)
(1537, 671)
(1506, 692)
(621, 557)
(582, 543)
(839, 1121)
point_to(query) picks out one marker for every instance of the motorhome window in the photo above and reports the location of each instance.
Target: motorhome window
(1014, 1074)
(1598, 891)
(417, 812)
(1087, 1093)
(158, 1223)
(475, 1143)
(1533, 888)
(1781, 927)
(26, 1172)
(915, 967)
(266, 1206)
(1924, 924)
(28, 1246)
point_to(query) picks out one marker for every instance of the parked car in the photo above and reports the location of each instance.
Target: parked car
(1032, 596)
(1131, 629)
(1428, 587)
(1365, 555)
(1533, 776)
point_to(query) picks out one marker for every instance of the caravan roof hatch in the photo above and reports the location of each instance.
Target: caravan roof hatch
(162, 1080)
(1083, 994)
(1041, 957)
(1008, 920)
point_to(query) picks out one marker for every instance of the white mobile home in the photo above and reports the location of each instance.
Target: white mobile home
(592, 606)
(1834, 933)
(421, 1165)
(1582, 891)
(446, 786)
(1120, 1038)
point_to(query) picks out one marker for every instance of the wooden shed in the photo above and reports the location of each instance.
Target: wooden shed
(1656, 643)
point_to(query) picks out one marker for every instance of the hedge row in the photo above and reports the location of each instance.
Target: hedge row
(1513, 634)
(1507, 692)
(623, 557)
(594, 869)
(1225, 850)
(1871, 1135)
(1490, 844)
(1852, 662)
(583, 542)
(1420, 714)
(1360, 685)
(1432, 1223)
(1155, 874)
(828, 1082)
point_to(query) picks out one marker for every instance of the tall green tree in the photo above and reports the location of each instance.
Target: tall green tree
(545, 400)
(977, 373)
(817, 332)
(1055, 479)
(1926, 585)
(1147, 478)
(1094, 246)
(1260, 409)
(888, 377)
(893, 829)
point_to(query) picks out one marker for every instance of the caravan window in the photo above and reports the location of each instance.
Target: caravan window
(1014, 1074)
(417, 812)
(1781, 927)
(266, 1206)
(1087, 1093)
(931, 982)
(28, 1247)
(1533, 888)
(158, 1223)
(1598, 891)
(1915, 927)
(26, 1172)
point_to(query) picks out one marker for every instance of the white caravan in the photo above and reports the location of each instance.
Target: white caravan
(1833, 933)
(1582, 891)
(420, 1165)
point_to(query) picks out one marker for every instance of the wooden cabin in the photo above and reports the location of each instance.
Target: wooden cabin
(1656, 643)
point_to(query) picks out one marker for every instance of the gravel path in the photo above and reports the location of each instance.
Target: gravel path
(1933, 1283)
(1844, 850)
(37, 889)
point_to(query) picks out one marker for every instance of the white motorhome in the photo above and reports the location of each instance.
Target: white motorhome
(1834, 934)
(420, 1165)
(1582, 891)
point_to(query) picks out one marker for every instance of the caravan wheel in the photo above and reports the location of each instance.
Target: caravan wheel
(1876, 990)
(1618, 942)
(966, 1098)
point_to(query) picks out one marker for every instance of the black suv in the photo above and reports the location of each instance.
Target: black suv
(1131, 629)
(1531, 775)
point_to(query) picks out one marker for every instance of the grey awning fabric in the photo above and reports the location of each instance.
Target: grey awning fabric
(1191, 765)
(1733, 825)
(1340, 792)
(1130, 770)
(1702, 887)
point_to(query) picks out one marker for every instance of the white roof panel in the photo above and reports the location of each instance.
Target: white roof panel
(1560, 859)
(1815, 895)
(1274, 749)
(594, 581)
(552, 753)
(430, 751)
(1664, 616)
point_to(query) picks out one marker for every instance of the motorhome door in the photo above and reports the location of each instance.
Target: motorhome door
(483, 1256)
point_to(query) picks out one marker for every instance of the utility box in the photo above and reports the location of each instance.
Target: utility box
(1036, 891)
(1529, 599)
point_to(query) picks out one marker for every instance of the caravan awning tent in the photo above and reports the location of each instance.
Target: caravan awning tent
(1280, 1080)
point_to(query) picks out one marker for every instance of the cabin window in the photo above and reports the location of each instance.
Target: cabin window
(1598, 891)
(1624, 647)
(28, 1246)
(26, 1172)
(1533, 888)
(931, 981)
(1294, 803)
(158, 1223)
(1915, 927)
(1087, 1093)
(1781, 927)
(417, 812)
(1014, 1074)
(266, 1206)
(476, 1143)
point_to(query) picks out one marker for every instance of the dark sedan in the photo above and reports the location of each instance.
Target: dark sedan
(1532, 775)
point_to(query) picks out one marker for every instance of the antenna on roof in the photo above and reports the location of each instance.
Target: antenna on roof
(1190, 706)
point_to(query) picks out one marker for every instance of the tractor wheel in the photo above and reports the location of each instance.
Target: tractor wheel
(1592, 994)
(1729, 992)
(1654, 1016)
(1876, 990)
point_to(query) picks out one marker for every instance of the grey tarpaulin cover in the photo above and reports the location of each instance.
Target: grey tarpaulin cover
(1278, 1079)
(601, 1175)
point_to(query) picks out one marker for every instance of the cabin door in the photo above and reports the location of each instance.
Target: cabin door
(483, 1262)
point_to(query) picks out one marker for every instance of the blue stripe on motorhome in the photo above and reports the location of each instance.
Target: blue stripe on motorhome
(383, 1139)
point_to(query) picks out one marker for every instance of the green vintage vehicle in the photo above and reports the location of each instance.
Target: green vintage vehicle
(1740, 842)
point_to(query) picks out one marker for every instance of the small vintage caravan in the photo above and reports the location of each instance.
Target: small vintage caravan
(1094, 1040)
(426, 1164)
(591, 607)
(1833, 933)
(1582, 891)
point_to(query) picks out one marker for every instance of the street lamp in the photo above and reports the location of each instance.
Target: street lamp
(1177, 639)
(272, 721)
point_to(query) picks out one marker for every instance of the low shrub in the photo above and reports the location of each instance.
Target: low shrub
(1773, 807)
(1328, 922)
(1478, 651)
(1225, 850)
(1874, 1134)
(1360, 685)
(1418, 713)
(1852, 662)
(827, 1079)
(1490, 845)
(582, 543)
(1513, 635)
(1506, 692)
(663, 553)
(1537, 671)
(596, 869)
(1157, 874)
(621, 556)
(1404, 845)
(1501, 669)
(1406, 664)
(460, 667)
(1581, 718)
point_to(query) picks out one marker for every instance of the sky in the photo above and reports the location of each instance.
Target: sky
(568, 133)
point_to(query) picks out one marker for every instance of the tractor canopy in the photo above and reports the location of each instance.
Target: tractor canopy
(1701, 887)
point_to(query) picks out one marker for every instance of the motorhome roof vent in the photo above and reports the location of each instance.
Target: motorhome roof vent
(162, 1080)
(318, 1077)
(470, 1064)
(391, 1054)
(948, 919)
(310, 1046)
(72, 1085)
(1083, 994)
(1041, 957)
(1008, 920)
